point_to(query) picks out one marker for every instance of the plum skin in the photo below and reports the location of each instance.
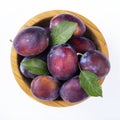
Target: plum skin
(82, 44)
(45, 87)
(72, 92)
(31, 41)
(80, 29)
(96, 62)
(62, 61)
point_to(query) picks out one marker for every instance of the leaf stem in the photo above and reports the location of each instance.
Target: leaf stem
(79, 67)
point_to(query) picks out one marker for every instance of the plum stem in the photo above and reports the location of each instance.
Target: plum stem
(78, 63)
(79, 54)
(11, 40)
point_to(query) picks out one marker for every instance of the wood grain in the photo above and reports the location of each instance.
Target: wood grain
(43, 19)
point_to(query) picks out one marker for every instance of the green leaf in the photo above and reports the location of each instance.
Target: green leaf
(36, 66)
(89, 82)
(62, 32)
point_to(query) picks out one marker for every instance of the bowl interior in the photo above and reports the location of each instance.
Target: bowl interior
(43, 20)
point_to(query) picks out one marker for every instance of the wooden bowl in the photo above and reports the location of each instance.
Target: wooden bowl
(43, 19)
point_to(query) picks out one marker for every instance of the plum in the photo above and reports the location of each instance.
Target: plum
(80, 29)
(45, 87)
(62, 61)
(72, 92)
(24, 71)
(31, 41)
(82, 44)
(96, 62)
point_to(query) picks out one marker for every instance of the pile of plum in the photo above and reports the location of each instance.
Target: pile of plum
(63, 61)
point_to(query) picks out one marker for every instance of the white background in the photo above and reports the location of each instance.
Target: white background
(16, 105)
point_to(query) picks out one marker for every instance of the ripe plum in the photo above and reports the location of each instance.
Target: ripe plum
(96, 62)
(24, 71)
(62, 61)
(82, 44)
(45, 87)
(72, 92)
(31, 41)
(80, 29)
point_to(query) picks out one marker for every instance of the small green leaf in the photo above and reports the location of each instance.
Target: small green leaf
(36, 66)
(89, 82)
(62, 32)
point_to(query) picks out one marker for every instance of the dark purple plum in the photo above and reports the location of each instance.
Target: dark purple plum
(45, 87)
(24, 71)
(72, 92)
(80, 29)
(31, 41)
(96, 62)
(62, 61)
(82, 44)
(27, 73)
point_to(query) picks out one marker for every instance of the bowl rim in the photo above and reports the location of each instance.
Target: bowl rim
(36, 19)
